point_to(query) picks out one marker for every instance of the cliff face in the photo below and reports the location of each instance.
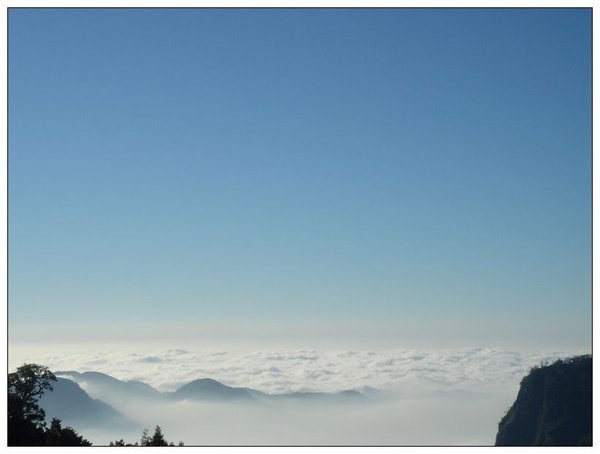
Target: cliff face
(553, 407)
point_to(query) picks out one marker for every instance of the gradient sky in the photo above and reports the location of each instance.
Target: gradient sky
(337, 166)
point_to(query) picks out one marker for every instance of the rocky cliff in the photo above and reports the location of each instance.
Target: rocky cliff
(553, 407)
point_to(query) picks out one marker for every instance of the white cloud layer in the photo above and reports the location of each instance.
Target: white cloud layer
(274, 371)
(426, 397)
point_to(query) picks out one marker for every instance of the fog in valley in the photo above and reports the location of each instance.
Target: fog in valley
(286, 397)
(454, 418)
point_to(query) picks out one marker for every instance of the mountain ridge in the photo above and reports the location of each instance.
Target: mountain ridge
(74, 406)
(199, 389)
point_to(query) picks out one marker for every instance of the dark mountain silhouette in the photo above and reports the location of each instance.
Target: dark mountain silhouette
(110, 389)
(116, 392)
(553, 407)
(209, 389)
(343, 396)
(74, 407)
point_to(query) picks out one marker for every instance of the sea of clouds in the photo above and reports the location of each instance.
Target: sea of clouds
(283, 371)
(416, 397)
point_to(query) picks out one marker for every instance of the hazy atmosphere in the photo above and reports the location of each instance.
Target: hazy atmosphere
(395, 202)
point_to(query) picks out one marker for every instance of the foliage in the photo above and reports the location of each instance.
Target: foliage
(145, 440)
(122, 443)
(157, 439)
(63, 436)
(26, 386)
(559, 363)
(26, 419)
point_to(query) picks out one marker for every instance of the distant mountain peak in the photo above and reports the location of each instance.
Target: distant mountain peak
(208, 388)
(71, 404)
(207, 381)
(115, 391)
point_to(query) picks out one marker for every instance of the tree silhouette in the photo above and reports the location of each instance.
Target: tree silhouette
(157, 439)
(26, 420)
(56, 435)
(145, 440)
(122, 443)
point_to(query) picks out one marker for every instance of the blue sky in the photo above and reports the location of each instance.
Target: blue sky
(282, 166)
